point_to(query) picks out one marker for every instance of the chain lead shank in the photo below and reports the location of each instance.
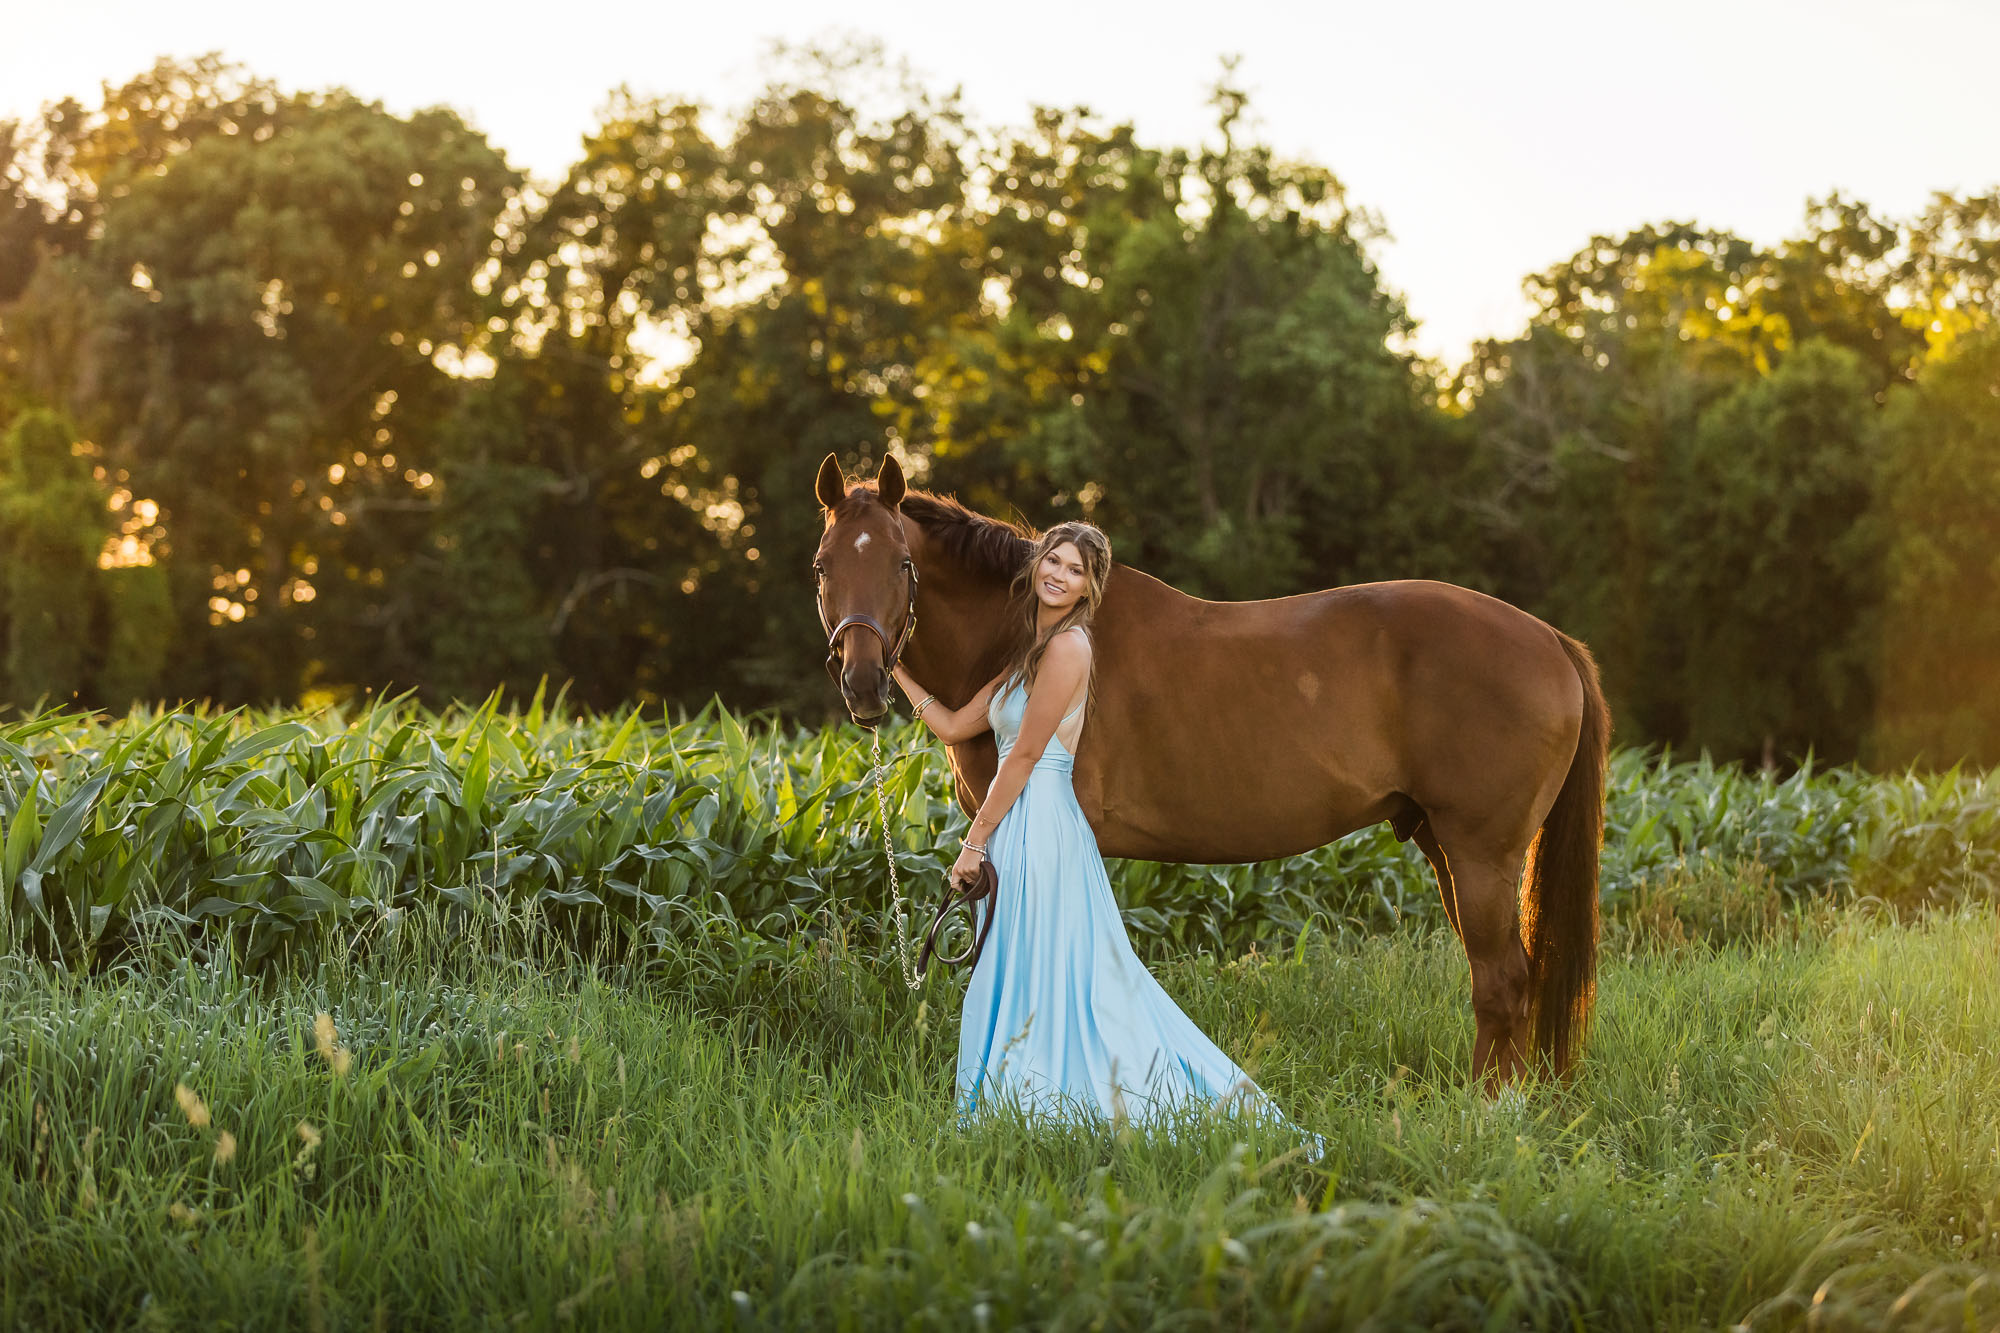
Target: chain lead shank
(899, 919)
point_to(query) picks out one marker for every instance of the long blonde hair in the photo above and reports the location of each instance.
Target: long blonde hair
(1025, 658)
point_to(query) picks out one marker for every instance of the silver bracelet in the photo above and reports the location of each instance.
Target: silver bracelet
(973, 847)
(918, 711)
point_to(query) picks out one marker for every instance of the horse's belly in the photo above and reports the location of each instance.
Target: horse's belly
(1220, 813)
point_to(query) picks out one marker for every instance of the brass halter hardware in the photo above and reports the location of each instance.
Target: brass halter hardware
(891, 654)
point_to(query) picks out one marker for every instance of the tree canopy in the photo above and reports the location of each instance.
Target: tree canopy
(299, 395)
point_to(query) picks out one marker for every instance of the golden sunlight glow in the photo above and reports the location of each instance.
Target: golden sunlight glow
(138, 528)
(663, 348)
(461, 364)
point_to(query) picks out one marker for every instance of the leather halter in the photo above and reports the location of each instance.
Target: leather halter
(891, 654)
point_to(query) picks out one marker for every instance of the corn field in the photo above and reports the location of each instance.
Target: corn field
(253, 830)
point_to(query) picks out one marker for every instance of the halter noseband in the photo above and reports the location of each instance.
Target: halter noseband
(891, 655)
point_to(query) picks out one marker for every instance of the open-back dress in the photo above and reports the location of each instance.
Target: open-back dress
(1061, 1018)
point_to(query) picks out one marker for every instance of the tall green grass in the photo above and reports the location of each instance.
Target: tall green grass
(247, 832)
(1795, 1132)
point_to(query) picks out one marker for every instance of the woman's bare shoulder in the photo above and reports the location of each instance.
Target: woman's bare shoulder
(1071, 648)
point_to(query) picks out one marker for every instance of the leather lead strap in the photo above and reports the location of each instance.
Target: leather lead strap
(985, 888)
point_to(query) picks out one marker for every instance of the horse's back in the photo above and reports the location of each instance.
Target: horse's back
(1309, 715)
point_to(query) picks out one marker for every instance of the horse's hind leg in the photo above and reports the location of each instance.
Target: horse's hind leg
(1486, 884)
(1440, 866)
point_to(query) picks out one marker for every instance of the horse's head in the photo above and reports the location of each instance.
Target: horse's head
(867, 584)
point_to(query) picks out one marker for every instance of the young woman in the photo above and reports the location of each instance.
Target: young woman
(1060, 1015)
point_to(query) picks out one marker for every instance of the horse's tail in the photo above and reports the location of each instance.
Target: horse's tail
(1559, 896)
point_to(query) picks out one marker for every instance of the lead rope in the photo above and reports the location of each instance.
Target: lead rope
(900, 921)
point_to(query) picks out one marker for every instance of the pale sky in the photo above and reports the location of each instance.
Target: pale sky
(1493, 139)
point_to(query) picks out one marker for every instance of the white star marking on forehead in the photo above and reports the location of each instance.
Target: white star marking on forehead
(861, 541)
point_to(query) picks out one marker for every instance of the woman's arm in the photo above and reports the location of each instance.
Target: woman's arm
(951, 725)
(1065, 666)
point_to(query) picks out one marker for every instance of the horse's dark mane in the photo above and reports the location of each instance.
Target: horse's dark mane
(994, 547)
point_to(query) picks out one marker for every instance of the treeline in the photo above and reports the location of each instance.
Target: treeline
(299, 396)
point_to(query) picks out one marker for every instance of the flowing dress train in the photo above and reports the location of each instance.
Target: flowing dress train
(1061, 1018)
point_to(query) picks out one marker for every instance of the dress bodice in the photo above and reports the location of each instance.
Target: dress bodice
(1004, 715)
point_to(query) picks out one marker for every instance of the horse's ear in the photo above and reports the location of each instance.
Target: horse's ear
(889, 485)
(831, 487)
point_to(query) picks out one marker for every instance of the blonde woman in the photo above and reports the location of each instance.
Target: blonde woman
(1060, 1015)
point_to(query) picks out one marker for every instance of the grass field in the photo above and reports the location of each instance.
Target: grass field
(1798, 1130)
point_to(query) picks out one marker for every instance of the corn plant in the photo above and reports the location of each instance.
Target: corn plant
(729, 836)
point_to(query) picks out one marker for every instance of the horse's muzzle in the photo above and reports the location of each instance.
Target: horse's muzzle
(859, 702)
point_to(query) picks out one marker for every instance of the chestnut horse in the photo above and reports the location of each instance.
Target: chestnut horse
(1242, 731)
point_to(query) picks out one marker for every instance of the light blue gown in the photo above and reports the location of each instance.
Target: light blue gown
(1061, 1019)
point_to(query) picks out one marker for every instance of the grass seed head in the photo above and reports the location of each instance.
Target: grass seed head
(192, 1105)
(302, 1163)
(327, 1039)
(225, 1148)
(86, 1185)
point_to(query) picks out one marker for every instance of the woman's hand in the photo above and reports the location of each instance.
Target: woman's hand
(965, 870)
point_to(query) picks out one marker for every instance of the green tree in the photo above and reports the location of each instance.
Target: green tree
(1939, 516)
(61, 171)
(1650, 402)
(1769, 569)
(139, 633)
(523, 523)
(264, 311)
(52, 526)
(1195, 352)
(573, 443)
(798, 270)
(1578, 424)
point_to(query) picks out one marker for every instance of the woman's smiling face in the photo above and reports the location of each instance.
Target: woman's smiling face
(1059, 578)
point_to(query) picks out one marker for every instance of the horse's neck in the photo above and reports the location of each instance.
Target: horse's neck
(961, 627)
(955, 652)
